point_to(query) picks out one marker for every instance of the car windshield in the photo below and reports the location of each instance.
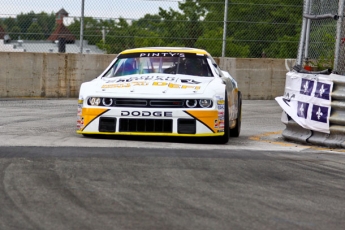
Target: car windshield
(160, 63)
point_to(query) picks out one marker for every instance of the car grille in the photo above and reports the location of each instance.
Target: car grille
(146, 125)
(107, 124)
(160, 103)
(186, 126)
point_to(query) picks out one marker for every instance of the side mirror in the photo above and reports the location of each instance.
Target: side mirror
(226, 74)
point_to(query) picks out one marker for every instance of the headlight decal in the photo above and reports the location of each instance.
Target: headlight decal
(94, 101)
(208, 118)
(205, 103)
(147, 102)
(90, 114)
(191, 103)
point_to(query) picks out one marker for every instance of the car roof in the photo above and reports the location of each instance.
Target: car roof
(166, 49)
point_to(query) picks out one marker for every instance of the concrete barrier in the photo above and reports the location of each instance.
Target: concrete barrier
(52, 75)
(258, 78)
(336, 137)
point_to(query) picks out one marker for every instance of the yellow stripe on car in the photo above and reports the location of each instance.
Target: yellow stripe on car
(154, 134)
(208, 118)
(89, 114)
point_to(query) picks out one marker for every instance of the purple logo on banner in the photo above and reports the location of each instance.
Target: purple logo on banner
(322, 91)
(302, 109)
(319, 113)
(306, 87)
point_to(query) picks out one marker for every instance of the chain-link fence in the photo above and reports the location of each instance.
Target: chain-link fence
(255, 28)
(321, 45)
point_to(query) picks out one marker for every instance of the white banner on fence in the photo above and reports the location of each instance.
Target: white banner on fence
(307, 100)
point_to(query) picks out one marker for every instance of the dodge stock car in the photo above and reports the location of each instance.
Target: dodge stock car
(161, 91)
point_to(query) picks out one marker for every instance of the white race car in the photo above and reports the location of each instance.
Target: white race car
(161, 91)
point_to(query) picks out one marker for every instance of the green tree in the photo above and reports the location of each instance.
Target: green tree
(92, 30)
(10, 23)
(173, 33)
(34, 32)
(182, 28)
(15, 33)
(193, 13)
(121, 36)
(150, 22)
(256, 24)
(284, 47)
(322, 45)
(45, 22)
(212, 41)
(148, 31)
(148, 38)
(25, 20)
(253, 27)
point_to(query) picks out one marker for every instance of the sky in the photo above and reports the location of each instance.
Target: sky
(92, 8)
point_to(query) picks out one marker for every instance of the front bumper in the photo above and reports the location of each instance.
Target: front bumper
(149, 121)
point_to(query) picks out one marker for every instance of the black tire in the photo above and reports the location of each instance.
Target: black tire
(225, 138)
(235, 132)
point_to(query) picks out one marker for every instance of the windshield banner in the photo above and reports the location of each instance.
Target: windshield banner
(307, 100)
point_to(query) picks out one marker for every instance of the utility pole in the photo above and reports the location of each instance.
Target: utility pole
(82, 26)
(224, 29)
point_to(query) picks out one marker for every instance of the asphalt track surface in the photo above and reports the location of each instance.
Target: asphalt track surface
(53, 178)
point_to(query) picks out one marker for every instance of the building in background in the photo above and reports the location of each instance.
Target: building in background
(61, 40)
(61, 31)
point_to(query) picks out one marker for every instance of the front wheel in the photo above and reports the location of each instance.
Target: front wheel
(235, 132)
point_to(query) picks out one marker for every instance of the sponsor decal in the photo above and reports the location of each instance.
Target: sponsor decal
(125, 85)
(80, 123)
(221, 124)
(155, 83)
(216, 125)
(143, 78)
(80, 119)
(189, 81)
(221, 115)
(139, 83)
(221, 107)
(146, 114)
(220, 102)
(165, 54)
(171, 85)
(176, 86)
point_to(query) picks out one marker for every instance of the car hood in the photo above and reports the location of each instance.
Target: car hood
(152, 84)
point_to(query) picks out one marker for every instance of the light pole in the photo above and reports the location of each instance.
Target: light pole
(82, 26)
(224, 29)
